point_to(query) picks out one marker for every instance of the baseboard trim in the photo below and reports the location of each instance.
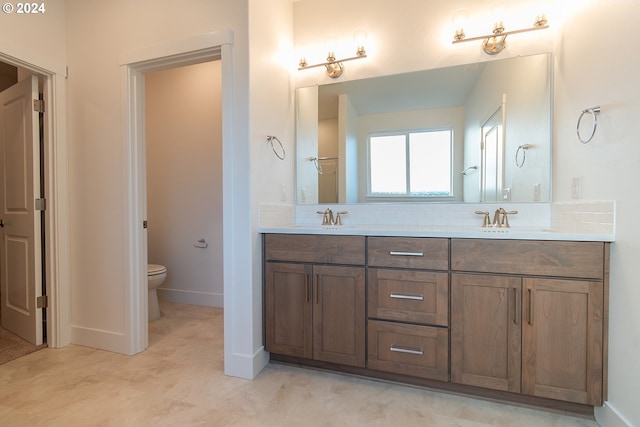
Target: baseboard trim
(181, 296)
(533, 402)
(608, 416)
(116, 342)
(246, 366)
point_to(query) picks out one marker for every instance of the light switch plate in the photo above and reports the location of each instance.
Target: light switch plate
(576, 187)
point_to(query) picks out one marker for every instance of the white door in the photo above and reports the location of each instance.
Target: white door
(20, 250)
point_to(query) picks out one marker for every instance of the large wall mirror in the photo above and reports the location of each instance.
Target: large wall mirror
(470, 133)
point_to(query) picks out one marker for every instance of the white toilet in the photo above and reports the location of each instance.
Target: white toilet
(155, 276)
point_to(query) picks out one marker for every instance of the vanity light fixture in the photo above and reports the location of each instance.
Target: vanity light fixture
(335, 66)
(496, 42)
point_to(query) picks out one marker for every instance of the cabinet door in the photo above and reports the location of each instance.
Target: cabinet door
(288, 309)
(562, 340)
(486, 331)
(339, 315)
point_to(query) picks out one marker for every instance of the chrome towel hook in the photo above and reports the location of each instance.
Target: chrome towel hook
(593, 111)
(270, 140)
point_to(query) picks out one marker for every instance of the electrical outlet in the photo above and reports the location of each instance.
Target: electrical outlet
(506, 194)
(576, 187)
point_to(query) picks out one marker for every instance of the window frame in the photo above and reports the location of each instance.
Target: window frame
(407, 196)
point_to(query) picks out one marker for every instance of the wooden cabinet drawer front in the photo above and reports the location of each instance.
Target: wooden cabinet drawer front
(408, 296)
(315, 248)
(529, 257)
(420, 351)
(410, 252)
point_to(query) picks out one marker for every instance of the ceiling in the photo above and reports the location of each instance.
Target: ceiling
(439, 88)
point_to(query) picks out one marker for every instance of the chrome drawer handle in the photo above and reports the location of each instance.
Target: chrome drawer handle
(406, 350)
(411, 297)
(400, 253)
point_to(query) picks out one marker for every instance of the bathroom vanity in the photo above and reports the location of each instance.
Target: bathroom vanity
(522, 320)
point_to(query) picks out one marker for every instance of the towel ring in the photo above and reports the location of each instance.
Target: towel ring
(524, 148)
(275, 150)
(593, 111)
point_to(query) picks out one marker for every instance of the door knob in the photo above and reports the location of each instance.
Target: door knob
(1, 223)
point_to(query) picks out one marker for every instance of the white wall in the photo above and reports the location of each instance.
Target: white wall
(36, 38)
(184, 181)
(600, 68)
(39, 43)
(596, 62)
(271, 112)
(99, 33)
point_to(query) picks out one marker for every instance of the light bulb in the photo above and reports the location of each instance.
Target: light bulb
(360, 42)
(458, 22)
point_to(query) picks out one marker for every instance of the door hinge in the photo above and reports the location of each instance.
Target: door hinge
(145, 224)
(41, 204)
(38, 105)
(42, 302)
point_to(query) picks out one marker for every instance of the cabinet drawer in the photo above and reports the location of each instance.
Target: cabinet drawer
(420, 351)
(529, 257)
(410, 252)
(408, 296)
(315, 248)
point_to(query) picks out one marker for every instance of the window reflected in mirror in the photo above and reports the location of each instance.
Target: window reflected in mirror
(414, 164)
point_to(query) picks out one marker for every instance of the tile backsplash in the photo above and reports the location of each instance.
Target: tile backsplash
(584, 216)
(426, 214)
(576, 217)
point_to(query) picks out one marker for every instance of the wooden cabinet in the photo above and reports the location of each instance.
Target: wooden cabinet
(538, 336)
(486, 333)
(408, 306)
(409, 296)
(562, 339)
(415, 350)
(525, 318)
(339, 315)
(288, 309)
(315, 311)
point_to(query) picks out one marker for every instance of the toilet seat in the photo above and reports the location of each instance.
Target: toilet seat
(155, 269)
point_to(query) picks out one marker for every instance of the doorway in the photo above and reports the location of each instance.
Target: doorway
(240, 314)
(209, 47)
(22, 231)
(183, 126)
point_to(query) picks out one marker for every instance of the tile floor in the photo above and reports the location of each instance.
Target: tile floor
(179, 381)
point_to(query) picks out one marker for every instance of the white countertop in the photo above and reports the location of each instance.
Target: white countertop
(468, 232)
